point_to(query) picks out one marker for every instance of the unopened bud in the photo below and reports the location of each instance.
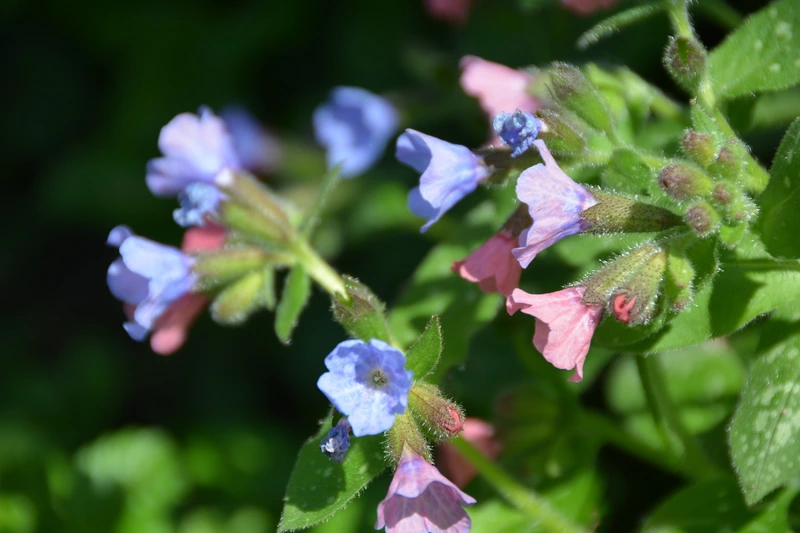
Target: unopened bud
(702, 218)
(635, 303)
(405, 434)
(728, 164)
(685, 59)
(616, 274)
(337, 441)
(700, 147)
(684, 182)
(573, 91)
(615, 214)
(441, 417)
(563, 137)
(236, 302)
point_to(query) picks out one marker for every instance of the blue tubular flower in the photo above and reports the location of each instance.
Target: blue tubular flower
(517, 130)
(367, 383)
(449, 173)
(354, 127)
(337, 441)
(195, 148)
(257, 149)
(197, 200)
(149, 276)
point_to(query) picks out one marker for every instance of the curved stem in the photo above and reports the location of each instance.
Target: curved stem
(524, 499)
(319, 270)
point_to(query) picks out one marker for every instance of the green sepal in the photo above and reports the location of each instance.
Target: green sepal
(562, 135)
(296, 291)
(686, 61)
(236, 302)
(573, 91)
(363, 315)
(220, 267)
(618, 214)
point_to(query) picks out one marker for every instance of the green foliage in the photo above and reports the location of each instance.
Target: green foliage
(296, 291)
(424, 354)
(363, 315)
(319, 488)
(779, 223)
(761, 55)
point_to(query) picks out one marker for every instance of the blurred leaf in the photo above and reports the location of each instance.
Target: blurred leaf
(780, 201)
(764, 436)
(775, 109)
(424, 354)
(761, 55)
(319, 488)
(620, 20)
(363, 316)
(17, 514)
(296, 290)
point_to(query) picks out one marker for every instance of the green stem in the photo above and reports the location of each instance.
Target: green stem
(676, 437)
(524, 499)
(318, 269)
(325, 188)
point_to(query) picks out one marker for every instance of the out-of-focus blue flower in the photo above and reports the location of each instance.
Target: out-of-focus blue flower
(149, 275)
(196, 149)
(368, 383)
(337, 441)
(449, 173)
(198, 200)
(354, 127)
(258, 151)
(517, 130)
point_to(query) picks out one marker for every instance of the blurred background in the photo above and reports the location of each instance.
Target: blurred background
(99, 434)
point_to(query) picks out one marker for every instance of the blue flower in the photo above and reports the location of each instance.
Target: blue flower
(354, 127)
(258, 151)
(367, 383)
(196, 149)
(198, 201)
(517, 130)
(149, 276)
(337, 441)
(449, 173)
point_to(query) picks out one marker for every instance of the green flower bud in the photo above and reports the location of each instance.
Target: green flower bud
(614, 214)
(702, 218)
(406, 434)
(562, 137)
(442, 418)
(574, 92)
(700, 147)
(683, 182)
(635, 303)
(728, 164)
(685, 59)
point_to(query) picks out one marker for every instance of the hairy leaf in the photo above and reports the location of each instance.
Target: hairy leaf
(423, 356)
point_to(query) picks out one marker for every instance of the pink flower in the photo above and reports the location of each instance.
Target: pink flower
(564, 325)
(555, 203)
(497, 87)
(452, 11)
(454, 465)
(492, 266)
(587, 7)
(420, 499)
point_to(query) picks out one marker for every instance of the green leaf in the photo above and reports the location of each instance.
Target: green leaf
(319, 488)
(764, 435)
(618, 21)
(761, 55)
(780, 202)
(363, 316)
(423, 356)
(296, 290)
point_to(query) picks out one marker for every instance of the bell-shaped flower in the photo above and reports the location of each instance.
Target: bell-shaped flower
(420, 499)
(368, 383)
(149, 276)
(564, 325)
(554, 202)
(449, 173)
(354, 127)
(517, 130)
(492, 266)
(257, 149)
(587, 7)
(196, 149)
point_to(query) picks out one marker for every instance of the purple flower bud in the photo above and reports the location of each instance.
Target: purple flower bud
(196, 149)
(517, 130)
(449, 173)
(257, 149)
(421, 499)
(198, 202)
(149, 276)
(354, 127)
(555, 203)
(368, 383)
(337, 441)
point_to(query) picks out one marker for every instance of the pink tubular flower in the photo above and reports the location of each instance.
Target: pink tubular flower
(492, 266)
(454, 465)
(564, 325)
(452, 11)
(172, 328)
(587, 7)
(420, 499)
(555, 203)
(497, 87)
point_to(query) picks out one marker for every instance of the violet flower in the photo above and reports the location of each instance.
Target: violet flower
(449, 173)
(555, 203)
(517, 130)
(258, 150)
